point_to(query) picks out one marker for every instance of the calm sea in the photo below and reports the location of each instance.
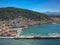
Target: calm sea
(44, 29)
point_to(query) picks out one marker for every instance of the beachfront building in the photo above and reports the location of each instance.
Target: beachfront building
(6, 31)
(18, 31)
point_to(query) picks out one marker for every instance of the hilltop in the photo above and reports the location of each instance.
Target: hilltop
(13, 13)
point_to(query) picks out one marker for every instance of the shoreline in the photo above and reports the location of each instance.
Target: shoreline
(54, 36)
(32, 37)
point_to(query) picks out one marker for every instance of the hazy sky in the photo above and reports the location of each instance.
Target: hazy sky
(36, 5)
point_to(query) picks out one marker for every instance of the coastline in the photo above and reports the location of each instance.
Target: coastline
(32, 37)
(19, 30)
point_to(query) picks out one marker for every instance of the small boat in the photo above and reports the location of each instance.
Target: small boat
(54, 35)
(54, 23)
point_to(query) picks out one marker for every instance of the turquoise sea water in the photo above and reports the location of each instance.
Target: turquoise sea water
(44, 29)
(38, 29)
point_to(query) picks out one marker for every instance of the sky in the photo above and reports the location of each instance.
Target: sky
(35, 5)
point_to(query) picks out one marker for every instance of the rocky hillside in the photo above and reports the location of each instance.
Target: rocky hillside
(13, 13)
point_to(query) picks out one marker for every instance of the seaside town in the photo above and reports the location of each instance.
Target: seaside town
(13, 28)
(29, 22)
(14, 20)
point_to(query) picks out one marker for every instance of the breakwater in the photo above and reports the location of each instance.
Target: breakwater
(33, 37)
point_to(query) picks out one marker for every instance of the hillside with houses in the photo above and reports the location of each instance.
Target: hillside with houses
(12, 19)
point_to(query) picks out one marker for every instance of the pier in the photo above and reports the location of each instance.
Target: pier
(32, 37)
(38, 37)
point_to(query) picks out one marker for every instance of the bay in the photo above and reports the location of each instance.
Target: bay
(43, 29)
(32, 30)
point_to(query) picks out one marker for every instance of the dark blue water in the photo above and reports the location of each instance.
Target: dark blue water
(30, 42)
(38, 29)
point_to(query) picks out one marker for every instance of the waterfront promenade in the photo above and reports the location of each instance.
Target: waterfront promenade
(32, 37)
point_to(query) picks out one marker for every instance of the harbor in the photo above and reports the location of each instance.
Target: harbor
(49, 36)
(15, 33)
(31, 37)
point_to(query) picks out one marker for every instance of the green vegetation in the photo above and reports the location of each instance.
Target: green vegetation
(13, 13)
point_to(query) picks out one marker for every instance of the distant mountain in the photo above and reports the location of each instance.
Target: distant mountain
(52, 13)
